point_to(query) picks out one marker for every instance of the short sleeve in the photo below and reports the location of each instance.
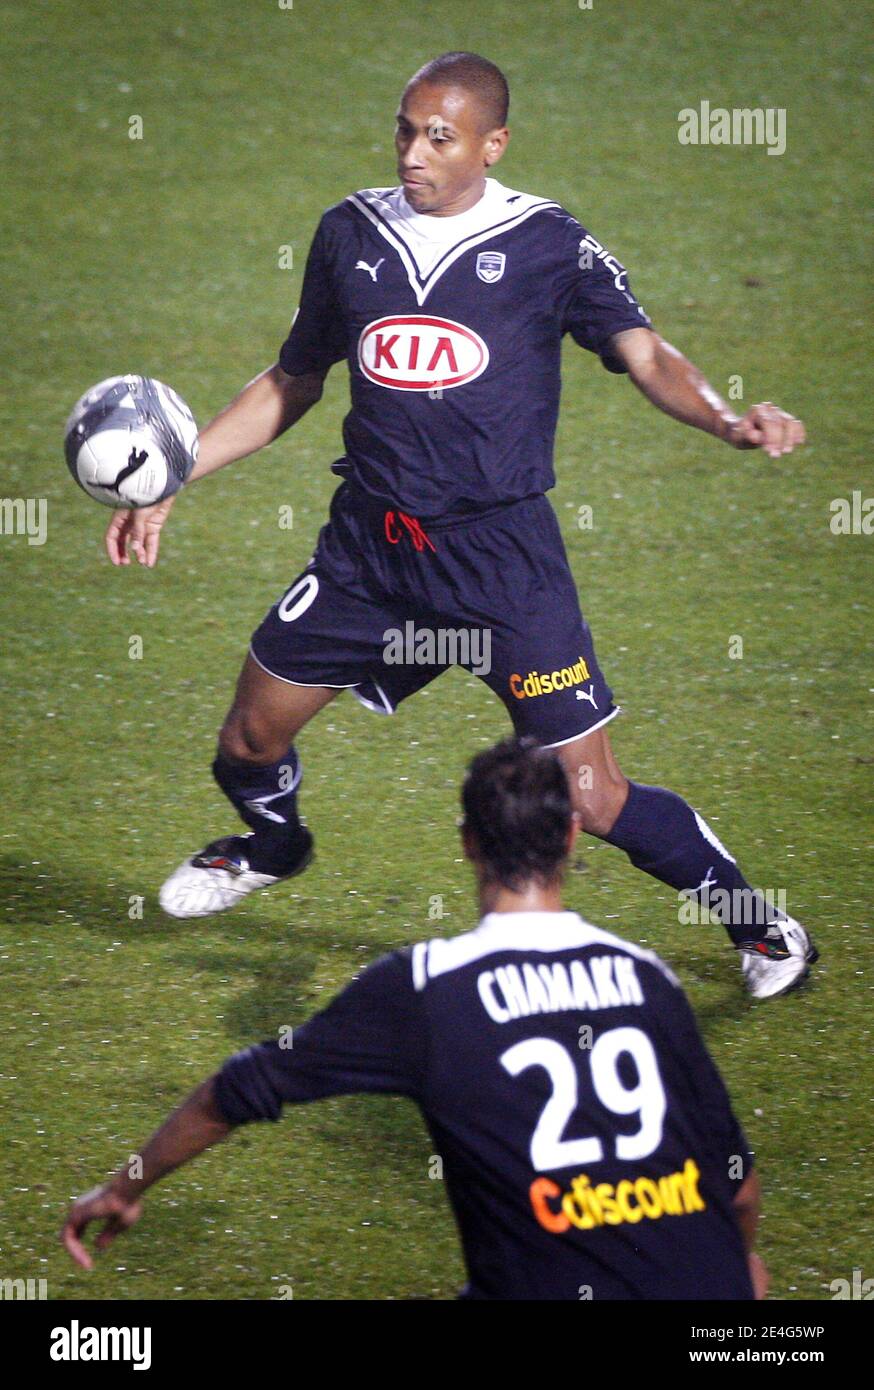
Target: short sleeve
(597, 299)
(317, 337)
(370, 1038)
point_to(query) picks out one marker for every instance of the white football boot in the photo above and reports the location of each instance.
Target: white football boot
(780, 962)
(218, 877)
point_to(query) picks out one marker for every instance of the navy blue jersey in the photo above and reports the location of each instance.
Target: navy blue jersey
(588, 1143)
(452, 329)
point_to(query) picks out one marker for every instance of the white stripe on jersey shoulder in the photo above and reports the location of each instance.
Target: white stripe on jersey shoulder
(506, 209)
(520, 931)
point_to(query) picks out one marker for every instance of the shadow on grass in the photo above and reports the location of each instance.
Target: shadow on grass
(56, 897)
(279, 971)
(63, 894)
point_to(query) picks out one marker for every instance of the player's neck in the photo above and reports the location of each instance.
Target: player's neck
(463, 203)
(494, 897)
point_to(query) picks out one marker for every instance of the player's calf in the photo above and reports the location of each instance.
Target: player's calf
(280, 846)
(598, 788)
(265, 798)
(665, 837)
(259, 771)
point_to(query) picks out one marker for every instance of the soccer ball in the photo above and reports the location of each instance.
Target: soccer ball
(130, 441)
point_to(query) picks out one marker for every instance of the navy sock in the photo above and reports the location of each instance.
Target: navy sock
(266, 799)
(663, 836)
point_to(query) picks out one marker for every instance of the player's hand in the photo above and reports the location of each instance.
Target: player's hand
(759, 1276)
(101, 1204)
(138, 529)
(767, 427)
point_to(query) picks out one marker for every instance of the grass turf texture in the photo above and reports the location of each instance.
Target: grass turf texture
(161, 256)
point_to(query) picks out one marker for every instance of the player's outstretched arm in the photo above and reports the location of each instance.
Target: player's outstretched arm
(676, 386)
(187, 1132)
(263, 410)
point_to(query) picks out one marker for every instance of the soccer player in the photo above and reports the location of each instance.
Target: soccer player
(588, 1143)
(449, 296)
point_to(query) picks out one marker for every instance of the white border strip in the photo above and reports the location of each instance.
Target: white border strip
(423, 289)
(600, 724)
(385, 708)
(308, 685)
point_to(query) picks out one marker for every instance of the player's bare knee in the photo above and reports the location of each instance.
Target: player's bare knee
(229, 742)
(248, 741)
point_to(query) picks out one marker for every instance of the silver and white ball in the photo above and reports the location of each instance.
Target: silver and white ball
(130, 441)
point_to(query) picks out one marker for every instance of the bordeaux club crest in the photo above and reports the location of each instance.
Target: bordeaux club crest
(490, 265)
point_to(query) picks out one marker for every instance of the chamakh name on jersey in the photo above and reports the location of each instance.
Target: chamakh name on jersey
(586, 1139)
(452, 329)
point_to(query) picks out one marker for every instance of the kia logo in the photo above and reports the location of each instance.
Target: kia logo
(416, 352)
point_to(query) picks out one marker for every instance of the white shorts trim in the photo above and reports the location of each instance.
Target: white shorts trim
(574, 737)
(308, 685)
(384, 708)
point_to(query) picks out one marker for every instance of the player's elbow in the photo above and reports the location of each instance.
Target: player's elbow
(642, 352)
(749, 1196)
(747, 1207)
(299, 392)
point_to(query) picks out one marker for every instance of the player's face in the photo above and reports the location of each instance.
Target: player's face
(443, 151)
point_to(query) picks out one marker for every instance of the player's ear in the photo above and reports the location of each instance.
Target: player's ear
(574, 829)
(496, 143)
(468, 842)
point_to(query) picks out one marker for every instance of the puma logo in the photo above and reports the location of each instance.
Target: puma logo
(706, 883)
(371, 269)
(257, 805)
(135, 461)
(588, 695)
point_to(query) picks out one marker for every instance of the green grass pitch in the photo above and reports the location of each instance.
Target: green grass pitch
(161, 255)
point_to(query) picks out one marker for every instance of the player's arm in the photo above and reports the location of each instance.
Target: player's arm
(370, 1038)
(747, 1208)
(676, 386)
(193, 1127)
(263, 410)
(710, 1099)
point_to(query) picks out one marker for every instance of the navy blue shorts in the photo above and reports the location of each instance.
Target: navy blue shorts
(386, 605)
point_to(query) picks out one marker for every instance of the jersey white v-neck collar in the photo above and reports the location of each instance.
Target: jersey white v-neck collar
(432, 235)
(428, 245)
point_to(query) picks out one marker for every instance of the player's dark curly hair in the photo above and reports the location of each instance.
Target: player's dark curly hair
(517, 806)
(474, 74)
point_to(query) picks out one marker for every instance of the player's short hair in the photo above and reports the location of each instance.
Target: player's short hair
(474, 74)
(517, 806)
